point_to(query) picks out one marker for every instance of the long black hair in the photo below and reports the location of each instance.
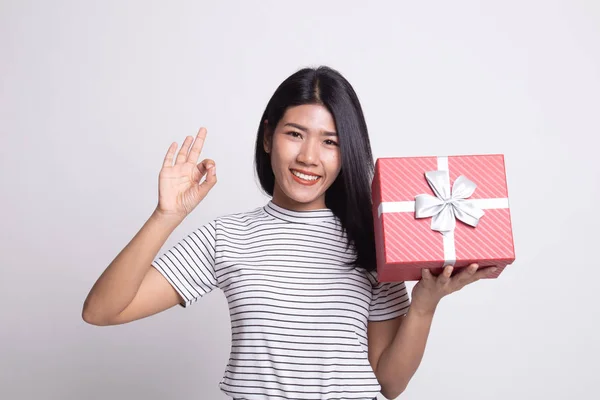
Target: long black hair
(349, 197)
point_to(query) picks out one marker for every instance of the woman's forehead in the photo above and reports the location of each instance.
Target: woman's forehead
(309, 117)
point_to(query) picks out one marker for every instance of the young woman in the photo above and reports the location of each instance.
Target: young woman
(309, 318)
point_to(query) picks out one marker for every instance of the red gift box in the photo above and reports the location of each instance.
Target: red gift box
(435, 211)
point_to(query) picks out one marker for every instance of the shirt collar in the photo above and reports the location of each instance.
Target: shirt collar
(303, 217)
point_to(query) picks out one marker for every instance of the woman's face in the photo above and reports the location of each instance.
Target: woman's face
(305, 157)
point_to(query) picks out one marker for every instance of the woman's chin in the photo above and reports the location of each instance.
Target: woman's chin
(296, 195)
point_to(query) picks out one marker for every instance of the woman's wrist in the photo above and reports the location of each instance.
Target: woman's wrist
(423, 308)
(170, 221)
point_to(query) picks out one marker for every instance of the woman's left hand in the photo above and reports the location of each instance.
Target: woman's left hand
(428, 292)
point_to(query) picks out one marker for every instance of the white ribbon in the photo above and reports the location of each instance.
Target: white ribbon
(446, 206)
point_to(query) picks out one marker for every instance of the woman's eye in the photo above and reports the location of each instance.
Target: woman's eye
(331, 142)
(294, 134)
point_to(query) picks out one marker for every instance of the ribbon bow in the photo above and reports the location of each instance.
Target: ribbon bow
(445, 207)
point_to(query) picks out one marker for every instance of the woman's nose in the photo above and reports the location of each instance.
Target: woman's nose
(309, 152)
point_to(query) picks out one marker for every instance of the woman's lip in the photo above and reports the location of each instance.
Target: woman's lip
(304, 182)
(304, 172)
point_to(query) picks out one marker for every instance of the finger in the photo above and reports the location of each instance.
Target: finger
(211, 177)
(168, 161)
(484, 273)
(426, 274)
(444, 277)
(467, 275)
(204, 166)
(182, 155)
(197, 147)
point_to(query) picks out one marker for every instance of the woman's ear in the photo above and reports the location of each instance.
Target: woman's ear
(267, 137)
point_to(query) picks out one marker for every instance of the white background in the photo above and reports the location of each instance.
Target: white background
(93, 93)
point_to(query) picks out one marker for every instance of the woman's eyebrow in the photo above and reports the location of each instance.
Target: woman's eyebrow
(305, 129)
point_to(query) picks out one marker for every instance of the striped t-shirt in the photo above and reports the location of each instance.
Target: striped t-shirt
(299, 309)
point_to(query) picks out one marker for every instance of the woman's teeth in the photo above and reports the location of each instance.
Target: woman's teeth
(304, 176)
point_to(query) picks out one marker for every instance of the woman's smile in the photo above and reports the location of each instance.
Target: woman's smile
(305, 178)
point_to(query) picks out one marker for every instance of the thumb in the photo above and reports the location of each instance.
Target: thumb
(204, 166)
(211, 174)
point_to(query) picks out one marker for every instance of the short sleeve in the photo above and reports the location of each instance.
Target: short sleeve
(389, 299)
(190, 264)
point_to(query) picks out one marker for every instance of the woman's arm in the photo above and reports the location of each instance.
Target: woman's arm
(129, 273)
(397, 362)
(396, 347)
(129, 288)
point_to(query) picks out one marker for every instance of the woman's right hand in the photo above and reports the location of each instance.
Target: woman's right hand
(179, 187)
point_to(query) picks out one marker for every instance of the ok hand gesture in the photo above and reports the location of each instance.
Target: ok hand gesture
(179, 187)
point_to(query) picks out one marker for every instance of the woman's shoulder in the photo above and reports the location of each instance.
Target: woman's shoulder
(371, 276)
(241, 217)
